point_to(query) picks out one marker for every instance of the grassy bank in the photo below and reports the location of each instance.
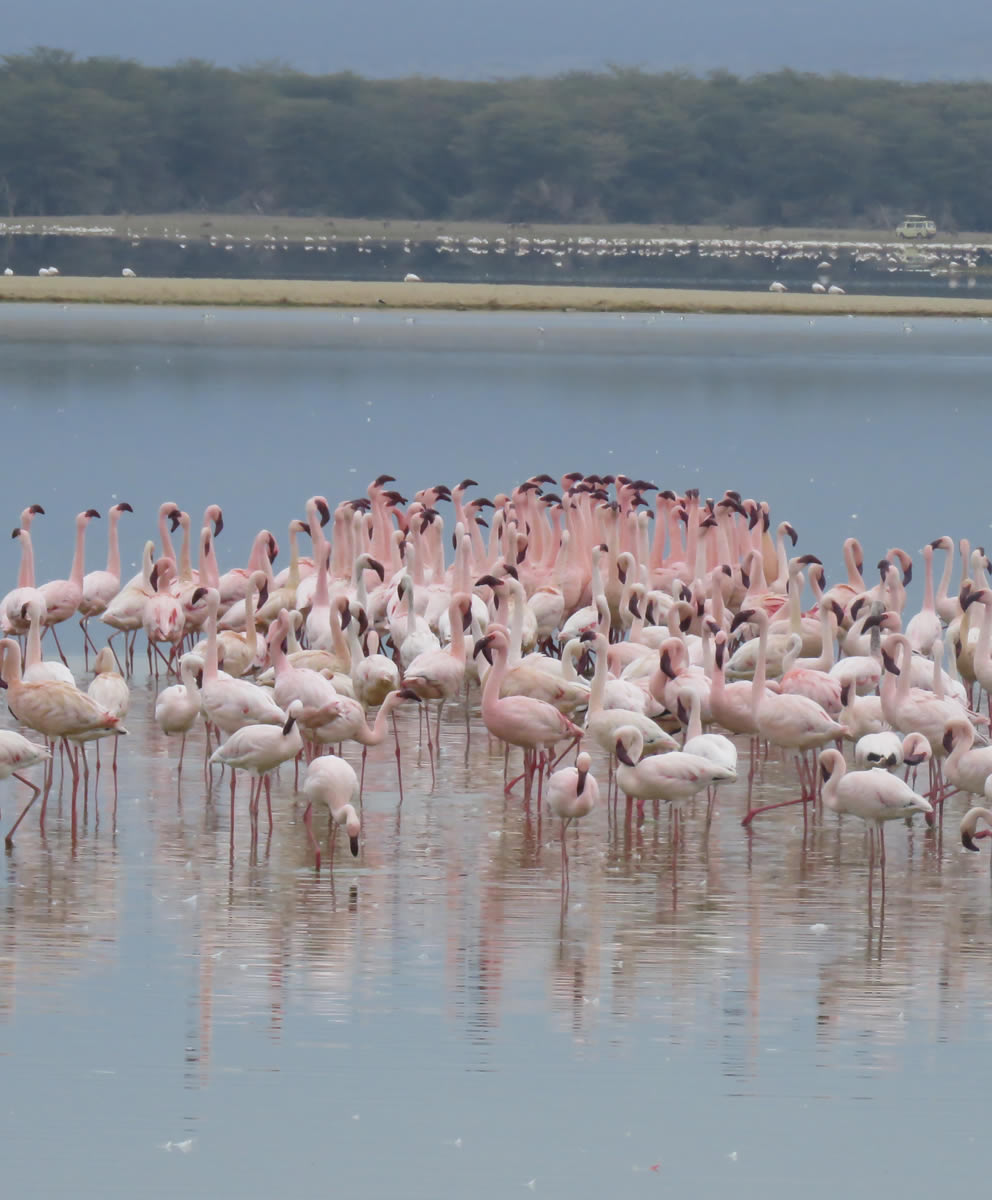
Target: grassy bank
(273, 293)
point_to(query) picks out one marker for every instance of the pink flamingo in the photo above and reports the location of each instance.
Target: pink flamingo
(17, 754)
(259, 749)
(674, 778)
(351, 725)
(54, 708)
(162, 618)
(100, 587)
(572, 793)
(792, 722)
(332, 781)
(10, 606)
(177, 707)
(62, 596)
(440, 674)
(534, 725)
(875, 796)
(970, 832)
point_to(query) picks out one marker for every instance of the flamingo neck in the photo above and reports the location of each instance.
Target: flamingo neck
(494, 681)
(10, 670)
(185, 561)
(598, 689)
(189, 680)
(32, 654)
(945, 575)
(76, 574)
(210, 664)
(113, 545)
(758, 685)
(25, 577)
(457, 647)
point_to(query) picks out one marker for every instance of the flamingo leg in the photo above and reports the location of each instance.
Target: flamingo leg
(36, 792)
(59, 644)
(308, 825)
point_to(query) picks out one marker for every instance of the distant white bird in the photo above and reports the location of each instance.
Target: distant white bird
(128, 273)
(819, 289)
(409, 277)
(834, 290)
(7, 271)
(776, 286)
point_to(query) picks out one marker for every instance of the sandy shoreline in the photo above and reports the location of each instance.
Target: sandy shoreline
(273, 293)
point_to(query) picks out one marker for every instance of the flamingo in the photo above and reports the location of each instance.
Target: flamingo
(109, 689)
(13, 602)
(966, 766)
(522, 721)
(231, 703)
(792, 722)
(674, 778)
(440, 674)
(178, 706)
(125, 612)
(162, 617)
(36, 669)
(373, 674)
(333, 782)
(318, 698)
(62, 596)
(100, 587)
(924, 627)
(714, 746)
(259, 749)
(54, 708)
(234, 583)
(351, 725)
(875, 796)
(970, 832)
(573, 793)
(18, 753)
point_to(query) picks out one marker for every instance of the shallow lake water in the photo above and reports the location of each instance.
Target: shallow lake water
(184, 1015)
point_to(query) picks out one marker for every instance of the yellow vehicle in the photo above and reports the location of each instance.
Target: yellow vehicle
(913, 225)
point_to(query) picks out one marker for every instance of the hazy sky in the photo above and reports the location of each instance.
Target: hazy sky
(462, 39)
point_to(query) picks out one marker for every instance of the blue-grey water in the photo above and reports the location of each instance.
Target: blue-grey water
(724, 1017)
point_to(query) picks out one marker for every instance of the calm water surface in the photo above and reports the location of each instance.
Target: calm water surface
(727, 1016)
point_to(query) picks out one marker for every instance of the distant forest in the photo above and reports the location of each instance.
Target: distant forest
(105, 135)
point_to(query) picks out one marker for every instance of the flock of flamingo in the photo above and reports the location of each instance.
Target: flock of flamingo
(587, 612)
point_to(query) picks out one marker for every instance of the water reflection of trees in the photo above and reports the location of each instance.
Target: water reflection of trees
(729, 940)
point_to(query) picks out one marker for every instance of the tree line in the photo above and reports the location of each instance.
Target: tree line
(107, 135)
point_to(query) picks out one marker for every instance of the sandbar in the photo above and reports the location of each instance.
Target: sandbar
(493, 297)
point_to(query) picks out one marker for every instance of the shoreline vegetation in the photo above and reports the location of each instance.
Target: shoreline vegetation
(615, 146)
(471, 297)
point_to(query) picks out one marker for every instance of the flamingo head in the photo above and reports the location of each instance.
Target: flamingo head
(582, 765)
(620, 749)
(742, 618)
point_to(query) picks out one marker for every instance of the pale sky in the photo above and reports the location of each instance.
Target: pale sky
(457, 38)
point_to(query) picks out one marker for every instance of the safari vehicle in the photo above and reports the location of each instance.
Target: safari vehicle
(913, 225)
